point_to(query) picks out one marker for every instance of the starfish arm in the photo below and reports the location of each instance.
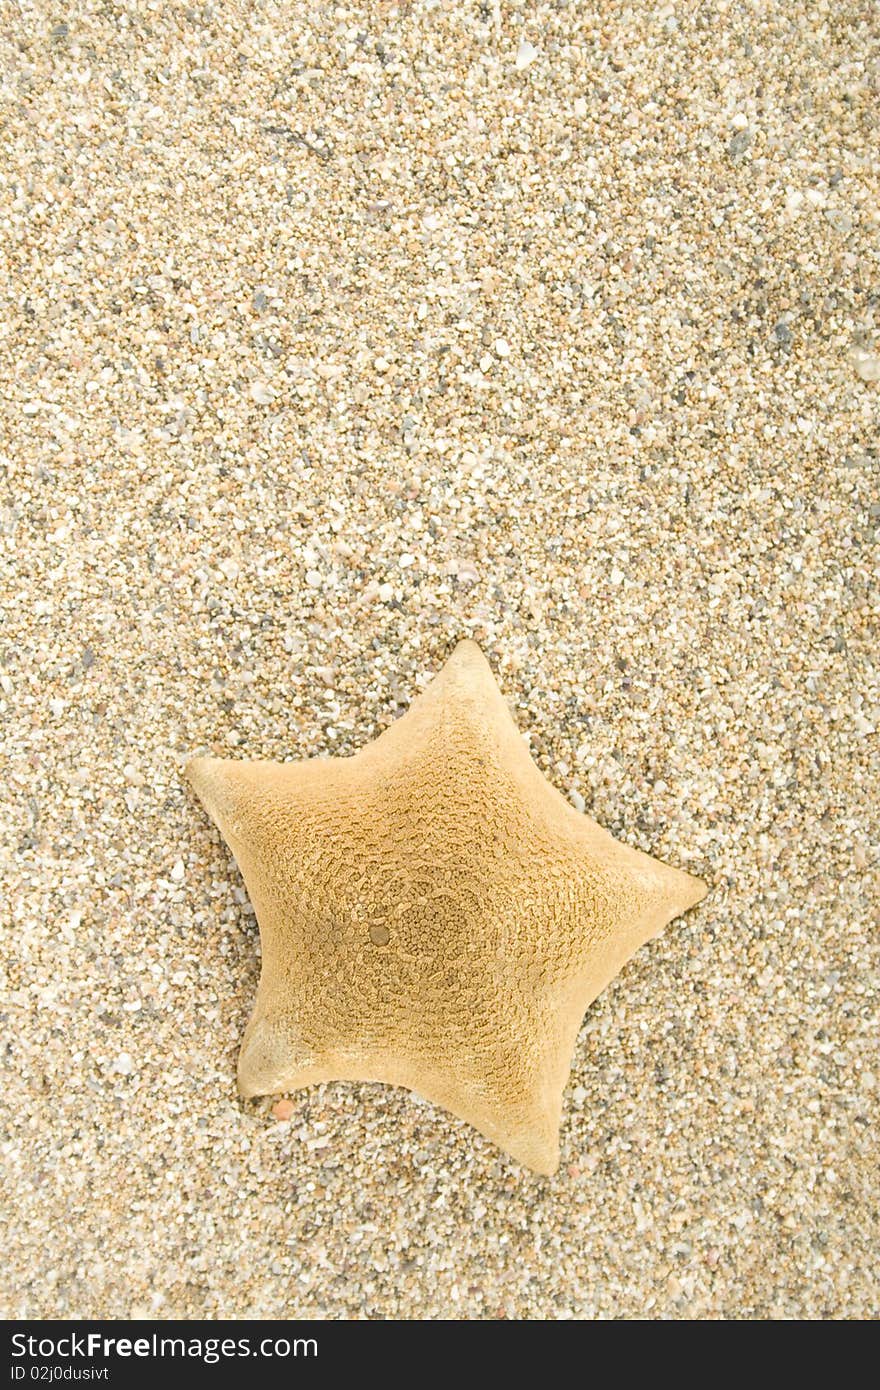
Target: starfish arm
(464, 707)
(221, 785)
(639, 896)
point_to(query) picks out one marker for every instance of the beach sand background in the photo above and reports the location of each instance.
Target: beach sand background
(336, 333)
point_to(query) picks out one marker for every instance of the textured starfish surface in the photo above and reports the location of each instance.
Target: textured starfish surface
(433, 913)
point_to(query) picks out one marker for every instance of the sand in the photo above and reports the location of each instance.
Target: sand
(334, 334)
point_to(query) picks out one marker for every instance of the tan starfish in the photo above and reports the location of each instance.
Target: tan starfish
(433, 914)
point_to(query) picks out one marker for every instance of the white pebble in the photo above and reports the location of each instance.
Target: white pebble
(123, 1064)
(406, 560)
(230, 569)
(526, 53)
(502, 347)
(313, 578)
(866, 364)
(580, 107)
(262, 393)
(178, 872)
(466, 572)
(386, 592)
(577, 800)
(56, 708)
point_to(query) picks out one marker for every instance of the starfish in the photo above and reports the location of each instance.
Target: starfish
(433, 913)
